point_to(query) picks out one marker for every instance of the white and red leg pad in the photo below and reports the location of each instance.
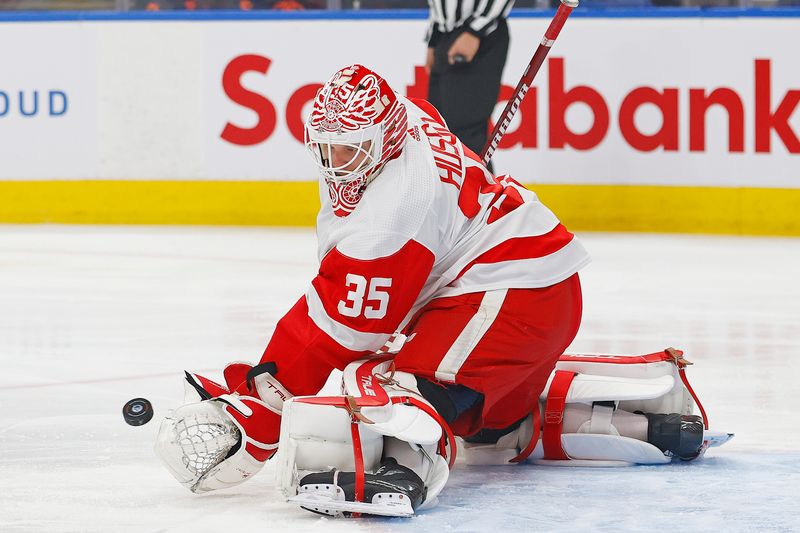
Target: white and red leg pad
(588, 412)
(378, 415)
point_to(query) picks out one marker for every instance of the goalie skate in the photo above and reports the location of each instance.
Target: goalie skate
(393, 490)
(317, 502)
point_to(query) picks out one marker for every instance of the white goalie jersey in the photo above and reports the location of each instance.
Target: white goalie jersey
(434, 223)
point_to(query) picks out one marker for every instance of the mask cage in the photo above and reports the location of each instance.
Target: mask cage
(319, 144)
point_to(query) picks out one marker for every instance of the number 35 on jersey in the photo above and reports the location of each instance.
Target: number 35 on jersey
(366, 296)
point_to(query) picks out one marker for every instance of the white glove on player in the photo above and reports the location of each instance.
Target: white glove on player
(224, 438)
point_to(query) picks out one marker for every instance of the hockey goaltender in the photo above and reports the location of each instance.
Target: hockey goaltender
(447, 297)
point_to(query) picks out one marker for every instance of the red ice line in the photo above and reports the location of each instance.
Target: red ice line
(98, 380)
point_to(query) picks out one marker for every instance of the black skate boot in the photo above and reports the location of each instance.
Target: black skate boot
(393, 490)
(680, 435)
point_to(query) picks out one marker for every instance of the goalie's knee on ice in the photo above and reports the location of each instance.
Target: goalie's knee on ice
(607, 410)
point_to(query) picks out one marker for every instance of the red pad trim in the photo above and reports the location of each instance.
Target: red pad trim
(262, 426)
(685, 380)
(617, 359)
(341, 401)
(554, 415)
(368, 386)
(359, 461)
(259, 454)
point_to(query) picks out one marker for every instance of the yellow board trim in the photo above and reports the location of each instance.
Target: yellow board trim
(740, 211)
(715, 210)
(245, 203)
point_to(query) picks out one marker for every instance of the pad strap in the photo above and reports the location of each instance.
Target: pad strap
(682, 363)
(448, 439)
(537, 421)
(554, 415)
(602, 415)
(353, 405)
(358, 456)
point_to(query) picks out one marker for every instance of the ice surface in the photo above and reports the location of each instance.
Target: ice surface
(93, 316)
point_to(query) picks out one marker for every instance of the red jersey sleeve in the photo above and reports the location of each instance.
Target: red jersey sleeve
(350, 310)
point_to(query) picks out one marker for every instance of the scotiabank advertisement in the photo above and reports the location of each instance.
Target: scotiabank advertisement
(685, 101)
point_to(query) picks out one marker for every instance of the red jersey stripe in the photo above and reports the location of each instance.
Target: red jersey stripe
(517, 248)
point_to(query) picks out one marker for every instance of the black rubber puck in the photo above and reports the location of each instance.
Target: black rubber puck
(137, 412)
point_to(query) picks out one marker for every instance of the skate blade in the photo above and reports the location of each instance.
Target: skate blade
(389, 504)
(716, 438)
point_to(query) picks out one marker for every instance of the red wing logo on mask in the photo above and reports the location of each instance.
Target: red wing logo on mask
(331, 121)
(345, 196)
(346, 107)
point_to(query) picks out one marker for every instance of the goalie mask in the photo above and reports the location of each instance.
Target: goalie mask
(356, 126)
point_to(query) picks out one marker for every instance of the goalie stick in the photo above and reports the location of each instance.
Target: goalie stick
(524, 84)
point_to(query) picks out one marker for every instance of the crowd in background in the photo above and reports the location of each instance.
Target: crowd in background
(292, 5)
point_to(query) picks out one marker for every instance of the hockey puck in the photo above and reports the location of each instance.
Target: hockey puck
(137, 412)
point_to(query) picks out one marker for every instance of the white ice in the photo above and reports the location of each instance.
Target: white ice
(93, 316)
